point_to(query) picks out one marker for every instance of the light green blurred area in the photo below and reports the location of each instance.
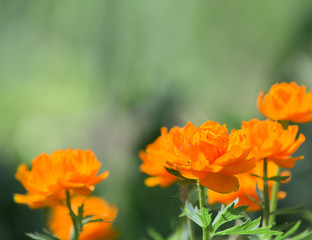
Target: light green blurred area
(106, 75)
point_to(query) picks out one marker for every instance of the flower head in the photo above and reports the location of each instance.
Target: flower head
(210, 155)
(51, 175)
(268, 139)
(247, 188)
(60, 222)
(288, 102)
(154, 159)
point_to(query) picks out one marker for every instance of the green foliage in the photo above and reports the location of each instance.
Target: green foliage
(259, 194)
(174, 172)
(291, 210)
(181, 233)
(183, 180)
(186, 181)
(301, 236)
(154, 234)
(47, 235)
(287, 234)
(79, 220)
(275, 178)
(226, 214)
(278, 178)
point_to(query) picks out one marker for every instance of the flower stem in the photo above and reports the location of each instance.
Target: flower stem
(75, 234)
(273, 202)
(266, 209)
(190, 227)
(202, 202)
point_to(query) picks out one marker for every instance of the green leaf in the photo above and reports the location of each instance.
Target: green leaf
(174, 172)
(305, 235)
(283, 227)
(254, 200)
(278, 178)
(248, 227)
(254, 237)
(284, 211)
(192, 213)
(185, 181)
(227, 214)
(47, 235)
(255, 175)
(205, 217)
(155, 235)
(90, 220)
(289, 232)
(80, 212)
(181, 233)
(259, 194)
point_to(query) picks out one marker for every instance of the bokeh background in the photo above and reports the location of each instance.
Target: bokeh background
(107, 74)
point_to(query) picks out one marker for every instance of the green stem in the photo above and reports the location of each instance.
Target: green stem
(190, 227)
(75, 235)
(202, 202)
(273, 202)
(266, 209)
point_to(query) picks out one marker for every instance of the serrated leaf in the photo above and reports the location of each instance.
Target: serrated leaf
(192, 213)
(278, 178)
(284, 211)
(289, 232)
(174, 172)
(248, 227)
(227, 214)
(205, 217)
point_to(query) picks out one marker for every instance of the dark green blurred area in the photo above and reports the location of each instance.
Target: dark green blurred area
(106, 75)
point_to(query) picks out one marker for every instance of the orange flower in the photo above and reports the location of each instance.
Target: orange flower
(269, 140)
(60, 222)
(286, 101)
(154, 159)
(247, 188)
(50, 176)
(210, 155)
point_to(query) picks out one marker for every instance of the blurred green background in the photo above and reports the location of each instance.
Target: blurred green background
(106, 75)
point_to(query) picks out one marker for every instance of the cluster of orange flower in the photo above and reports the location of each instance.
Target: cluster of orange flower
(67, 170)
(227, 163)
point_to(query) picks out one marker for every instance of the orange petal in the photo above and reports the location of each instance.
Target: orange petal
(220, 183)
(152, 181)
(286, 162)
(238, 167)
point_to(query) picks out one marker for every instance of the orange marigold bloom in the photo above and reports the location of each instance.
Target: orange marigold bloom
(154, 159)
(247, 188)
(286, 101)
(268, 139)
(210, 155)
(60, 222)
(51, 175)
